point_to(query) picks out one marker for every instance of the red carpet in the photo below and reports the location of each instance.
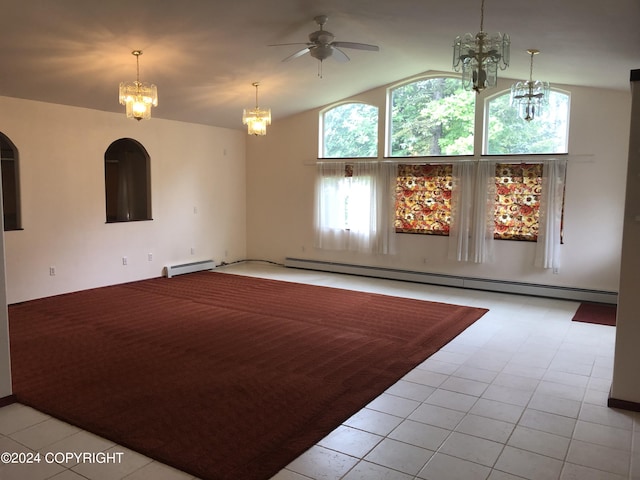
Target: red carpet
(222, 376)
(600, 313)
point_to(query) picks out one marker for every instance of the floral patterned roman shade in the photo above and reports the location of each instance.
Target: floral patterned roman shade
(423, 199)
(518, 188)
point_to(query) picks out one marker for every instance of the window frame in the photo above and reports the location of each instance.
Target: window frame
(388, 130)
(321, 129)
(485, 125)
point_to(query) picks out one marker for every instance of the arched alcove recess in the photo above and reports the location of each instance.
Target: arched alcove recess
(127, 181)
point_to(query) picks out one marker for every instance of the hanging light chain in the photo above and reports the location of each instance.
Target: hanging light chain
(532, 52)
(256, 84)
(137, 54)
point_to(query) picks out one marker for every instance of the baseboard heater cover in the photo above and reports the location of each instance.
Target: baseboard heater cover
(173, 270)
(537, 290)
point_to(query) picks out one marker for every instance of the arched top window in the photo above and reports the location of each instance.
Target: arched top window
(10, 184)
(430, 117)
(508, 134)
(127, 181)
(349, 130)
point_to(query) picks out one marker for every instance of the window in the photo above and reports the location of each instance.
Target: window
(518, 189)
(127, 182)
(506, 133)
(423, 199)
(471, 200)
(350, 131)
(347, 206)
(431, 117)
(345, 192)
(10, 184)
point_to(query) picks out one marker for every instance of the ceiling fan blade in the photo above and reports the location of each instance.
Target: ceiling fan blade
(284, 44)
(299, 53)
(339, 55)
(357, 46)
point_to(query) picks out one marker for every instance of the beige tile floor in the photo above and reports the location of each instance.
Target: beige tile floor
(519, 394)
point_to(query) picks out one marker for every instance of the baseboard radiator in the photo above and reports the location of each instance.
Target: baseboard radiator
(565, 293)
(173, 270)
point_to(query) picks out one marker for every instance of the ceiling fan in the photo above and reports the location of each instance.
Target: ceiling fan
(321, 45)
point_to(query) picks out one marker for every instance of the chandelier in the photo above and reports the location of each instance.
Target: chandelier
(479, 56)
(529, 97)
(138, 97)
(255, 118)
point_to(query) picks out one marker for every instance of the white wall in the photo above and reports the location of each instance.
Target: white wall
(280, 189)
(197, 191)
(626, 383)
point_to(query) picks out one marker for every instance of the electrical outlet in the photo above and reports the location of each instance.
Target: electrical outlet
(193, 251)
(150, 257)
(124, 260)
(52, 271)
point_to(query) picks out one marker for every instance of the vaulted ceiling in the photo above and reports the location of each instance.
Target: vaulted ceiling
(204, 54)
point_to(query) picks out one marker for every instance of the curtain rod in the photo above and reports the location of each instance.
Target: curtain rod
(579, 158)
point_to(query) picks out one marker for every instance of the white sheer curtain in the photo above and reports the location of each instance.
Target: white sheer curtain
(362, 221)
(483, 219)
(461, 210)
(386, 208)
(330, 211)
(354, 213)
(472, 223)
(554, 173)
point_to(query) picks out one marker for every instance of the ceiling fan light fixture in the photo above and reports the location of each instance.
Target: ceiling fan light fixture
(480, 56)
(321, 52)
(530, 97)
(138, 97)
(322, 45)
(256, 119)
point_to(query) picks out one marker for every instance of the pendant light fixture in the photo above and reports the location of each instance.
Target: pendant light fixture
(256, 119)
(138, 97)
(479, 56)
(531, 96)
